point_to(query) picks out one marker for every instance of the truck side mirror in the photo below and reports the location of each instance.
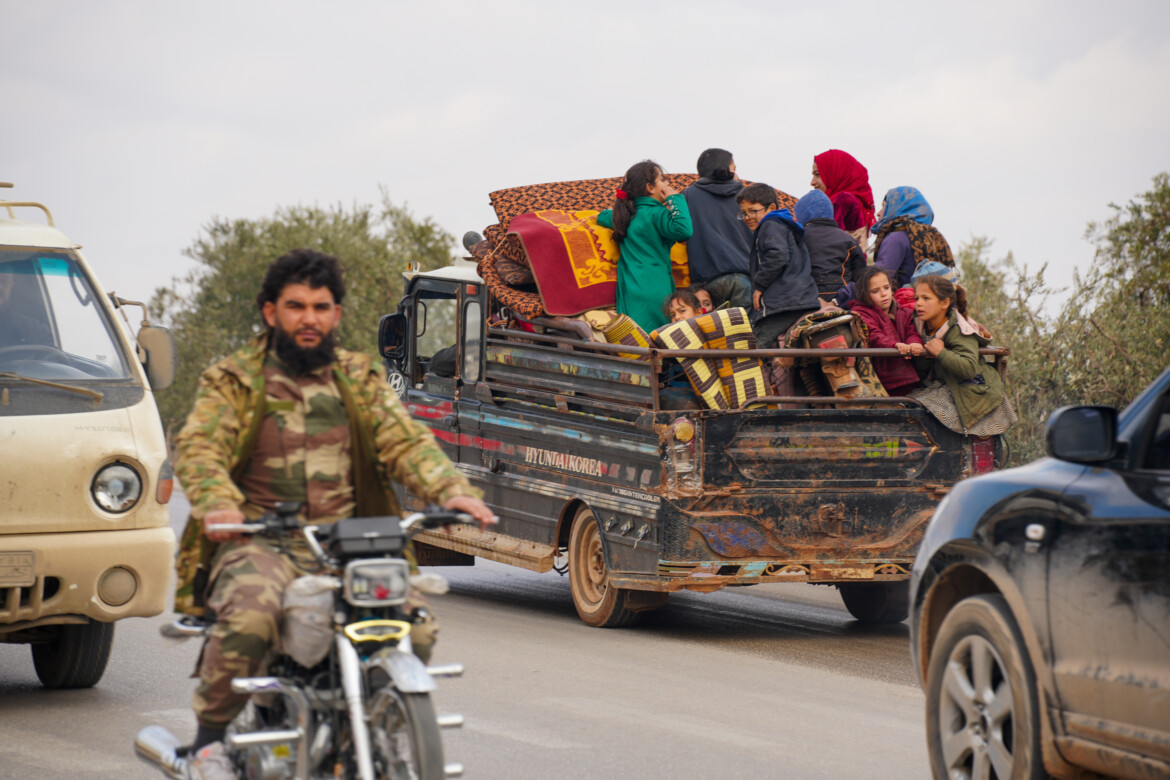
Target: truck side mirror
(1082, 434)
(162, 360)
(392, 336)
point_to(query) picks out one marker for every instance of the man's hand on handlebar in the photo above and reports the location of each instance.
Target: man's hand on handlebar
(474, 507)
(222, 516)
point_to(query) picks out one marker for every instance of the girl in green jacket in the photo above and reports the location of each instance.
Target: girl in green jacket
(954, 341)
(648, 217)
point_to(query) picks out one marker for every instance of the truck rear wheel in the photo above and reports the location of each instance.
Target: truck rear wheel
(598, 603)
(75, 657)
(877, 602)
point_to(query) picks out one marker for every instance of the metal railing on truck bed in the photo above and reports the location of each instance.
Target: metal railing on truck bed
(622, 381)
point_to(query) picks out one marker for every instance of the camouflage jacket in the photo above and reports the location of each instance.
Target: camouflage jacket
(218, 437)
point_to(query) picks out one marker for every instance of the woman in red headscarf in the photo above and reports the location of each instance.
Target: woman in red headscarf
(846, 182)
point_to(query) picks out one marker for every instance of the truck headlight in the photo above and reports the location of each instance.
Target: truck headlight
(116, 487)
(377, 582)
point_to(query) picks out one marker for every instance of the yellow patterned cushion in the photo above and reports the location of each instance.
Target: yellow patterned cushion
(722, 383)
(623, 330)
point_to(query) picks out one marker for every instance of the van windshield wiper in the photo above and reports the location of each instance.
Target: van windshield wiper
(94, 394)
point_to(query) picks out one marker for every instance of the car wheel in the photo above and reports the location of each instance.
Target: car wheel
(981, 711)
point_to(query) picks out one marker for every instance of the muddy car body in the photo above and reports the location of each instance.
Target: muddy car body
(569, 441)
(1040, 620)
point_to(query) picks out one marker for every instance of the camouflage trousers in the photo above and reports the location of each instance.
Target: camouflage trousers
(247, 592)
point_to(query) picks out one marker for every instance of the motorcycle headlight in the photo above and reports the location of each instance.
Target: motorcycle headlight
(377, 582)
(116, 487)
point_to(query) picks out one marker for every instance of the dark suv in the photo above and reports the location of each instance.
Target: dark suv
(1040, 612)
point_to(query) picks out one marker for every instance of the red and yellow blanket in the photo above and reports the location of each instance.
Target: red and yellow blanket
(575, 260)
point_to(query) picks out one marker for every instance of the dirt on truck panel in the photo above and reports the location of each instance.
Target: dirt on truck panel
(578, 448)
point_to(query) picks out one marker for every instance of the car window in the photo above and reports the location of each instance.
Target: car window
(1157, 455)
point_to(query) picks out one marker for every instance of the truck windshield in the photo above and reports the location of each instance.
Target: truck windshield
(52, 325)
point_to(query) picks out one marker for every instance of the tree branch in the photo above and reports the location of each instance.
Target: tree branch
(1114, 341)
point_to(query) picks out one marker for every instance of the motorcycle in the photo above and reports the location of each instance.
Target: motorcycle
(346, 696)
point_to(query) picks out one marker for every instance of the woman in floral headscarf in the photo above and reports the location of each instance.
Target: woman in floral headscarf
(839, 175)
(905, 237)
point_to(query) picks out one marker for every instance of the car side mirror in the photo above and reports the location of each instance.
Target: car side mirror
(1082, 434)
(392, 336)
(161, 358)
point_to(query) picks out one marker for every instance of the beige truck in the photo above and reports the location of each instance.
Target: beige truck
(85, 538)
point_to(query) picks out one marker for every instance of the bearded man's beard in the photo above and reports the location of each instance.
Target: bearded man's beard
(300, 359)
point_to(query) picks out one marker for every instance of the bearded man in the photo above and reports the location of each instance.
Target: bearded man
(289, 417)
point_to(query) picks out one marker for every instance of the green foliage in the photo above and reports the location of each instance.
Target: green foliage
(212, 309)
(1009, 300)
(1106, 342)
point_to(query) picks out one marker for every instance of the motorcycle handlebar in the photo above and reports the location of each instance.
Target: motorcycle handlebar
(235, 528)
(275, 523)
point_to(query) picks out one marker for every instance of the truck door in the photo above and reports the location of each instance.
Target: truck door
(431, 361)
(1113, 563)
(467, 406)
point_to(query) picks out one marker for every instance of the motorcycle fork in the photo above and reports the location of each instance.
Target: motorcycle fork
(351, 684)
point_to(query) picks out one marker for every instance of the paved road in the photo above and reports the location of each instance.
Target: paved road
(772, 681)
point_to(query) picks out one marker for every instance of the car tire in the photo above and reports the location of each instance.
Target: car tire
(982, 718)
(75, 657)
(877, 602)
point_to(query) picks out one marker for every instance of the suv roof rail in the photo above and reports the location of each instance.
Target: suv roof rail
(11, 204)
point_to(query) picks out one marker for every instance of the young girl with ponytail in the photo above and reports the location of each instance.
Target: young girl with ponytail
(648, 217)
(977, 403)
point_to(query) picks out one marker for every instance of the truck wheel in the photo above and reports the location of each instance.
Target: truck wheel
(877, 602)
(597, 602)
(75, 657)
(982, 718)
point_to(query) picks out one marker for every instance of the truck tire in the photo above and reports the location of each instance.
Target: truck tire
(75, 657)
(598, 603)
(877, 602)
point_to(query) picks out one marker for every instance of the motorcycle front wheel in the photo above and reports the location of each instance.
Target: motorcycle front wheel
(404, 733)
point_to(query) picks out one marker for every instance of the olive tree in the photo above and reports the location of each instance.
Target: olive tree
(1105, 342)
(212, 309)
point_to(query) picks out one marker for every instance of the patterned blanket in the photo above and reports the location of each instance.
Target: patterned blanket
(508, 257)
(722, 383)
(574, 260)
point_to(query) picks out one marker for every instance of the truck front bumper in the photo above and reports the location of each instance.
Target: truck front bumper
(103, 575)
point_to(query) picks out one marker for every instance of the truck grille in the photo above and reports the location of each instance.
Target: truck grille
(18, 603)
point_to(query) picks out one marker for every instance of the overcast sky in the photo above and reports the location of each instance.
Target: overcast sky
(137, 122)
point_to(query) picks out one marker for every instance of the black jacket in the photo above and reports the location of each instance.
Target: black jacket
(720, 243)
(835, 257)
(780, 267)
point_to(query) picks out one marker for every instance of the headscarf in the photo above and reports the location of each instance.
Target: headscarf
(908, 212)
(841, 172)
(904, 202)
(934, 268)
(814, 205)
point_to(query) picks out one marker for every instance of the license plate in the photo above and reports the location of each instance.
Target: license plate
(17, 569)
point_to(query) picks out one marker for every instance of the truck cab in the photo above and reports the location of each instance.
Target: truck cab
(85, 538)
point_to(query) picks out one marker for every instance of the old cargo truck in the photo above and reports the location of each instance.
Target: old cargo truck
(571, 445)
(85, 537)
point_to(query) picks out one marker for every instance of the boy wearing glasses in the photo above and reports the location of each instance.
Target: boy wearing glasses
(783, 289)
